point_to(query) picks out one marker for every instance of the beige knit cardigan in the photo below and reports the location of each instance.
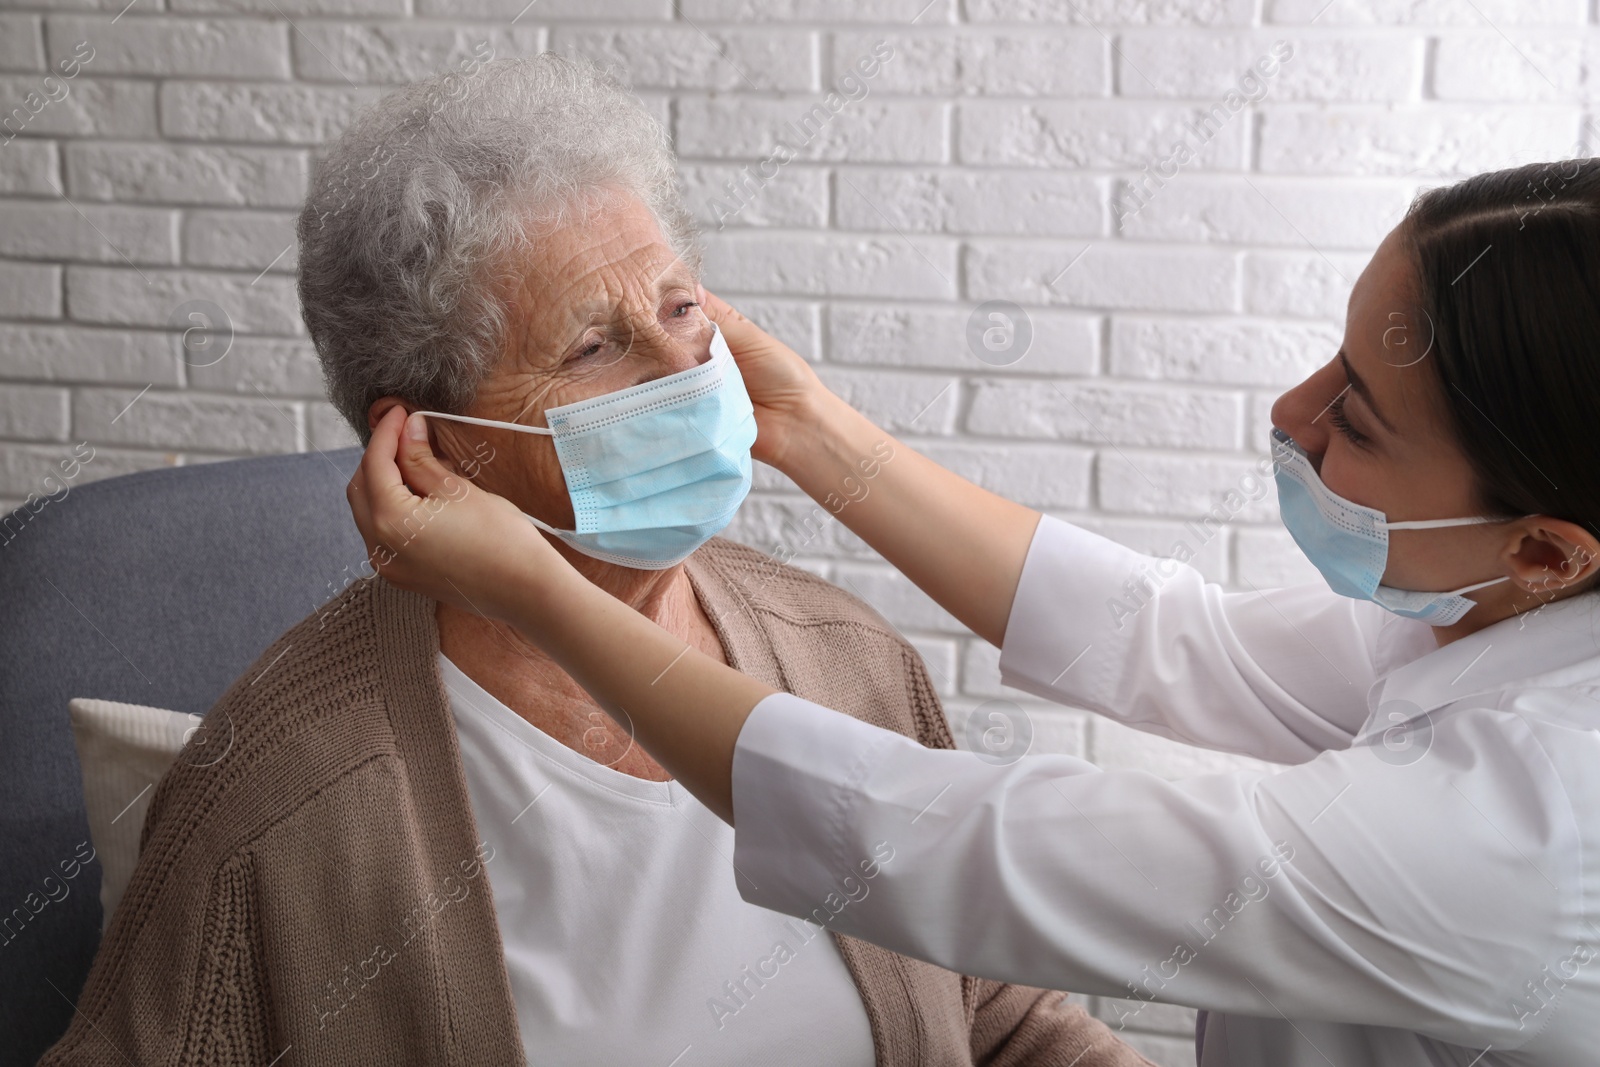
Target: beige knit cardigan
(318, 895)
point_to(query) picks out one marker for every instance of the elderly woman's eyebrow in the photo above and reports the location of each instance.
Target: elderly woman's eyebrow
(603, 313)
(676, 274)
(597, 310)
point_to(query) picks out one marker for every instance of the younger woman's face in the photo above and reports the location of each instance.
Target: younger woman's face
(1375, 427)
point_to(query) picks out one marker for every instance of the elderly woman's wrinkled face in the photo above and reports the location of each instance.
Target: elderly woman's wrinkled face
(604, 304)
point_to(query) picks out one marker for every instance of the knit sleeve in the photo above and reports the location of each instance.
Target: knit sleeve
(1019, 1026)
(128, 1012)
(933, 729)
(228, 1018)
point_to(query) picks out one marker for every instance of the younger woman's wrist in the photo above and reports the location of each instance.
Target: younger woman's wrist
(541, 590)
(829, 438)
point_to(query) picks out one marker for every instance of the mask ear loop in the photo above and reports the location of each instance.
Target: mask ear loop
(1480, 585)
(1434, 524)
(491, 423)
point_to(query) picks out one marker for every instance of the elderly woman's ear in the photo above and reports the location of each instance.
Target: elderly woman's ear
(447, 447)
(382, 407)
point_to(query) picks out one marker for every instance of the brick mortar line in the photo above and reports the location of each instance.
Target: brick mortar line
(778, 26)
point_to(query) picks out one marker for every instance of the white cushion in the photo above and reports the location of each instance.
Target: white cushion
(123, 749)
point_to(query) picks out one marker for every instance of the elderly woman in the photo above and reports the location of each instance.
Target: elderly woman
(426, 844)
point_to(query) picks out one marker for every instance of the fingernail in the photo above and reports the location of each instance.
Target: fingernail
(416, 427)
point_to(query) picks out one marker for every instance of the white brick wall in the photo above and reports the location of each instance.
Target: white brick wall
(986, 161)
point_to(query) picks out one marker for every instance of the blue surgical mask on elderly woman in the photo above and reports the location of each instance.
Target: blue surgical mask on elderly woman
(1349, 543)
(656, 470)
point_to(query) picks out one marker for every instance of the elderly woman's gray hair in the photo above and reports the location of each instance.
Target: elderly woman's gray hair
(420, 214)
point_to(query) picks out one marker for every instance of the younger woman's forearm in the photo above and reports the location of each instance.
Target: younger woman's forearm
(683, 707)
(963, 545)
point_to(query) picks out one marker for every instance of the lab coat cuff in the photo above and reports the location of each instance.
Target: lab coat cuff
(1063, 640)
(797, 772)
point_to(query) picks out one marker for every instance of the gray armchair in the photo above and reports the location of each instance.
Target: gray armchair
(154, 588)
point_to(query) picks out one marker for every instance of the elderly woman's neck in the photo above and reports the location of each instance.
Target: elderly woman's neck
(664, 596)
(521, 676)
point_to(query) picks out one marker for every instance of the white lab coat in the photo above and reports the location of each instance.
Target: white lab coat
(1411, 891)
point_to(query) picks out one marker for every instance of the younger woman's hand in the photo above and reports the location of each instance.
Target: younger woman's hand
(430, 530)
(783, 388)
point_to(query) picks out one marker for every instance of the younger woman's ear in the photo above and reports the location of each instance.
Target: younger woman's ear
(1553, 555)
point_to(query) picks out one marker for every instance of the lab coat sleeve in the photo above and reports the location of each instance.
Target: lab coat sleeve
(1279, 675)
(1351, 888)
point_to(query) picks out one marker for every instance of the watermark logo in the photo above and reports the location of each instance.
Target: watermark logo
(738, 992)
(1251, 87)
(52, 90)
(1406, 341)
(999, 333)
(1252, 888)
(607, 740)
(206, 742)
(55, 490)
(1139, 590)
(999, 732)
(1406, 733)
(851, 87)
(205, 332)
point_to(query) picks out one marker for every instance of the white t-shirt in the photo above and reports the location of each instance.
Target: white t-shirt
(625, 936)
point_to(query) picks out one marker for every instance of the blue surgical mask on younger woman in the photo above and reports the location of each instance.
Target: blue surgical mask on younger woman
(1349, 543)
(656, 470)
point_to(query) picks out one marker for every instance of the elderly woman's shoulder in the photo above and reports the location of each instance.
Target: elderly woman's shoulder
(327, 659)
(308, 710)
(303, 731)
(818, 641)
(772, 586)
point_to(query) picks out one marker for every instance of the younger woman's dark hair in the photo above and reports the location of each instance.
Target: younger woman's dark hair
(1508, 265)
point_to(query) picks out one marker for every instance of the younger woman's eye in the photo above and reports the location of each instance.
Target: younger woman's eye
(1341, 422)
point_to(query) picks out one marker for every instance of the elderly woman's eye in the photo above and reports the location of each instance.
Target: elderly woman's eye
(683, 309)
